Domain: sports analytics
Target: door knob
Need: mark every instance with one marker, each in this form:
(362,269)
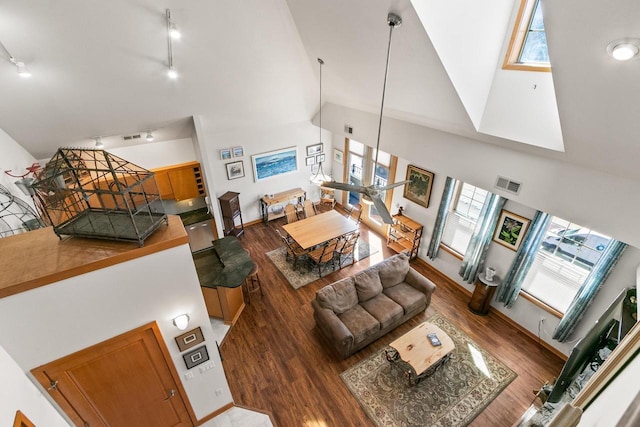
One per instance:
(172,393)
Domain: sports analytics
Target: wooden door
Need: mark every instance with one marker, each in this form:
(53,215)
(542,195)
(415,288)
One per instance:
(125,381)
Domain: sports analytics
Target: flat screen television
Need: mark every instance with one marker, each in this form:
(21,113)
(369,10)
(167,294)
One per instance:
(584,350)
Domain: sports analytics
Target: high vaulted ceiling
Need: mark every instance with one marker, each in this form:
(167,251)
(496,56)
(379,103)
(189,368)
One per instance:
(99,69)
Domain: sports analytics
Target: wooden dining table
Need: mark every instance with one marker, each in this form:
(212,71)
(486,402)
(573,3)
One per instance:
(320,228)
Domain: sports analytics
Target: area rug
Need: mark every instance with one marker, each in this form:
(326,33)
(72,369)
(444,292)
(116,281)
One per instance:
(453,396)
(305,271)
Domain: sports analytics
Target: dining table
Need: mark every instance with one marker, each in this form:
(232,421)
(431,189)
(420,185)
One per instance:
(320,228)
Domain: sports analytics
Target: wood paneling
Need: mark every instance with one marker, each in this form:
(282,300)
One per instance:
(275,358)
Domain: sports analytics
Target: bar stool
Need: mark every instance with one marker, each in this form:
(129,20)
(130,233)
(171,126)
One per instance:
(252,283)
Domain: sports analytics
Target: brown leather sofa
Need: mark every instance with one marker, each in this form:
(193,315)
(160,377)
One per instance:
(357,310)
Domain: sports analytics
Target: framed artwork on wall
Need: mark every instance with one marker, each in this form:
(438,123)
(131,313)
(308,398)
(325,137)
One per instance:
(310,161)
(225,154)
(314,149)
(338,156)
(274,163)
(238,151)
(235,169)
(320,158)
(196,357)
(510,230)
(190,339)
(419,189)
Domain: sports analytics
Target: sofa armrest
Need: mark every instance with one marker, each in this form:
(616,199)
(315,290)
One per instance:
(333,327)
(420,282)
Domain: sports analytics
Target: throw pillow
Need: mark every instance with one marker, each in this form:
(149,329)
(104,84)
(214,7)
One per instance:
(339,296)
(368,284)
(393,270)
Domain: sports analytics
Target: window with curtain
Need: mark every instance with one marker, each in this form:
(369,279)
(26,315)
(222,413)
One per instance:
(563,261)
(463,216)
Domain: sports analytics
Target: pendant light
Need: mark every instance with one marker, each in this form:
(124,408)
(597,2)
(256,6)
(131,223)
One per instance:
(320,176)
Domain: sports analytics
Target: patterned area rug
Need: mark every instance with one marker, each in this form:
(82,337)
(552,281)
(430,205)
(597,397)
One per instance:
(305,271)
(453,396)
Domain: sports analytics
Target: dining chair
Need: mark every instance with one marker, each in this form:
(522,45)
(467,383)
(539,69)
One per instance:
(355,213)
(346,248)
(324,255)
(294,250)
(309,209)
(291,214)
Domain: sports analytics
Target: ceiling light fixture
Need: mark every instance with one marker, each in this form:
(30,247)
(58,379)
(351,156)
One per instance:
(149,136)
(172,73)
(21,69)
(181,322)
(624,49)
(320,176)
(99,143)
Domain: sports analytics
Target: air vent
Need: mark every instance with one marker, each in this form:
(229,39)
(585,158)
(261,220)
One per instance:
(130,137)
(508,185)
(348,129)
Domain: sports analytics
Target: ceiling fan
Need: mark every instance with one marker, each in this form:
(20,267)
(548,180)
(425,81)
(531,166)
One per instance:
(372,193)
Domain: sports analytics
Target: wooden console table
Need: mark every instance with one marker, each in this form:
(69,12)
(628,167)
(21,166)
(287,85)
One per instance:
(269,205)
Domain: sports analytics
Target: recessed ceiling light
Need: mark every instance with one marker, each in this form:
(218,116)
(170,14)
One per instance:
(149,136)
(624,49)
(172,73)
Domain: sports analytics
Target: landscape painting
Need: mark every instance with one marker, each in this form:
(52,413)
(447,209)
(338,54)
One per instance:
(274,163)
(419,189)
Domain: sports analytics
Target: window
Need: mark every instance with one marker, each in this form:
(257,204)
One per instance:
(528,45)
(566,255)
(462,218)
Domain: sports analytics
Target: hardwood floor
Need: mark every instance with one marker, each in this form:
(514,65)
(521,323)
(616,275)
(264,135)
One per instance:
(276,360)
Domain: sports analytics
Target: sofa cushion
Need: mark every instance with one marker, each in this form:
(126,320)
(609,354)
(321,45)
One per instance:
(360,323)
(393,270)
(367,284)
(384,309)
(407,296)
(339,296)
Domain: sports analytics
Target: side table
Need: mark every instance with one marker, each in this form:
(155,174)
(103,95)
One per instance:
(482,294)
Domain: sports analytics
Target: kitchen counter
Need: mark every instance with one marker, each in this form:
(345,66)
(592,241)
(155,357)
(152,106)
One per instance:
(197,215)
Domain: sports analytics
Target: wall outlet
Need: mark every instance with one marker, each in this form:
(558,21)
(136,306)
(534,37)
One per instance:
(218,392)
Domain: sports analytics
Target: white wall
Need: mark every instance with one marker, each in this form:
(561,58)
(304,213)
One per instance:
(15,159)
(158,154)
(19,393)
(52,321)
(257,140)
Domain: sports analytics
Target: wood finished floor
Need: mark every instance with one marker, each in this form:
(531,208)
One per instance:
(276,360)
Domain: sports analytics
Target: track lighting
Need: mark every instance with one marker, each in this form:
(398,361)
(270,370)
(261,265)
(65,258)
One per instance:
(99,143)
(149,136)
(21,69)
(172,33)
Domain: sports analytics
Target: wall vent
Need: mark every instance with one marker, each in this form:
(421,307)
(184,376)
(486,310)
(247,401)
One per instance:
(348,129)
(130,137)
(508,185)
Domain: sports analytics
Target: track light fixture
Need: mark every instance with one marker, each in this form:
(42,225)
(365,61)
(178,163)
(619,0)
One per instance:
(149,136)
(172,33)
(21,69)
(99,143)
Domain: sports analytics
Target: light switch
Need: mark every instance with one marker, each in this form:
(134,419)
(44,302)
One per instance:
(188,375)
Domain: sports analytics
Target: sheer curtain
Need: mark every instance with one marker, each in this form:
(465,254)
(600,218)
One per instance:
(589,289)
(441,219)
(510,288)
(482,234)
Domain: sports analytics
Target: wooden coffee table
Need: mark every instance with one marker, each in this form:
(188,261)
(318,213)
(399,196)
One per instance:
(414,353)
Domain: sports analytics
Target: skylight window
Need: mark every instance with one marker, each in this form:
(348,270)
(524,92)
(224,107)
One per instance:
(528,44)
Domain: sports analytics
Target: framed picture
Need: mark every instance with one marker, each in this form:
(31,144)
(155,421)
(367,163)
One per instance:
(320,158)
(238,151)
(310,161)
(225,154)
(274,163)
(338,156)
(235,169)
(312,150)
(314,168)
(419,189)
(189,339)
(196,357)
(510,230)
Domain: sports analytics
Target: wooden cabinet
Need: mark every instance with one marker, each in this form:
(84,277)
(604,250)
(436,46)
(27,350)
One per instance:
(180,182)
(482,294)
(231,214)
(404,235)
